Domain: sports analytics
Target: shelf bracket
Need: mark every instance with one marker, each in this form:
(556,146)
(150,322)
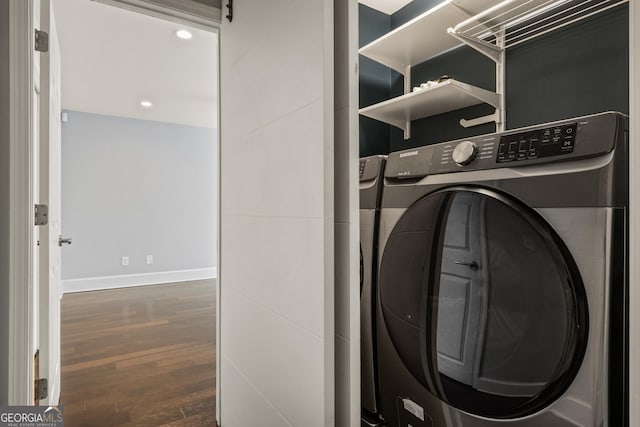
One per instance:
(407,79)
(407,89)
(487,49)
(495,117)
(403,125)
(500,79)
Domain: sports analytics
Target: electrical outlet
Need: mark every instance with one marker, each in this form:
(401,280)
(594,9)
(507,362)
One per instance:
(125,261)
(149,259)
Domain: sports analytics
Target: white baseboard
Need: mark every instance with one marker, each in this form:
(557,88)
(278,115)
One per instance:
(131,280)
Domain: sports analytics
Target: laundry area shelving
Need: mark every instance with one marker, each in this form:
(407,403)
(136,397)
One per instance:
(488,26)
(423,37)
(448,95)
(451,275)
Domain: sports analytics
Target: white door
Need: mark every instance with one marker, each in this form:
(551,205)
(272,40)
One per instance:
(462,293)
(276,269)
(35,188)
(50,194)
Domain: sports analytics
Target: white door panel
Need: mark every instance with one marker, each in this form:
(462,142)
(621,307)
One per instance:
(461,294)
(277,180)
(38,231)
(50,194)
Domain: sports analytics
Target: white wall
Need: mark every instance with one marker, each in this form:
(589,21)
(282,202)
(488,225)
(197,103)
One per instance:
(347,304)
(134,188)
(4,200)
(277,215)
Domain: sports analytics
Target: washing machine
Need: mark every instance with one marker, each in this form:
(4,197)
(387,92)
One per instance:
(503,279)
(371,170)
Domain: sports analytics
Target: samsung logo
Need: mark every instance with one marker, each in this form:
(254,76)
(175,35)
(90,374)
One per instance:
(409,154)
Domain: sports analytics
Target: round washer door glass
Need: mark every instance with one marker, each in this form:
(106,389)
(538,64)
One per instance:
(502,325)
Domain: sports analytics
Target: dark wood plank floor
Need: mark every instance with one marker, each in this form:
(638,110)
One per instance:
(139,356)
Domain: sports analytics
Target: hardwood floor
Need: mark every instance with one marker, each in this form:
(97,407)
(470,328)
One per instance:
(140,356)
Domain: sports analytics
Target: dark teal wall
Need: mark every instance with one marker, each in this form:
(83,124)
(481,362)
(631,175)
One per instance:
(576,70)
(374,82)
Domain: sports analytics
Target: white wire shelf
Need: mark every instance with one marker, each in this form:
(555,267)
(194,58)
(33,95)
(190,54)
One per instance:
(512,22)
(447,96)
(423,37)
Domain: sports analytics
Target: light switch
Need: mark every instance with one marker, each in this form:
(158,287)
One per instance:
(149,259)
(125,261)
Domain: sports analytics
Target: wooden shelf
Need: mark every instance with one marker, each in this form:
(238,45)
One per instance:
(425,36)
(447,96)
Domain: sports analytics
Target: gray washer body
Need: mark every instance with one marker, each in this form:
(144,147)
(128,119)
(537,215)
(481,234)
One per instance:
(371,170)
(582,194)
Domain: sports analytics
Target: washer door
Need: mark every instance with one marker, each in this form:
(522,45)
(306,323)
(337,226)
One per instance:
(483,302)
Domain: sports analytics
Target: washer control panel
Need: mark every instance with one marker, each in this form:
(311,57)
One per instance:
(551,141)
(371,181)
(561,141)
(454,156)
(370,167)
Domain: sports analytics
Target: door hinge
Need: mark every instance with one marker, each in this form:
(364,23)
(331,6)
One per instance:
(42,214)
(42,41)
(42,388)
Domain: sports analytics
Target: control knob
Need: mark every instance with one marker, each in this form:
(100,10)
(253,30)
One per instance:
(464,153)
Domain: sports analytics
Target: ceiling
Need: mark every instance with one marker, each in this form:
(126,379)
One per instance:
(387,6)
(113,59)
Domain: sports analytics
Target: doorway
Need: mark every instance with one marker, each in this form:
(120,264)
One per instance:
(139,207)
(279,117)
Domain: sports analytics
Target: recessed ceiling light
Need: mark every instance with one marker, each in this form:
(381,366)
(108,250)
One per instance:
(184,34)
(146,104)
